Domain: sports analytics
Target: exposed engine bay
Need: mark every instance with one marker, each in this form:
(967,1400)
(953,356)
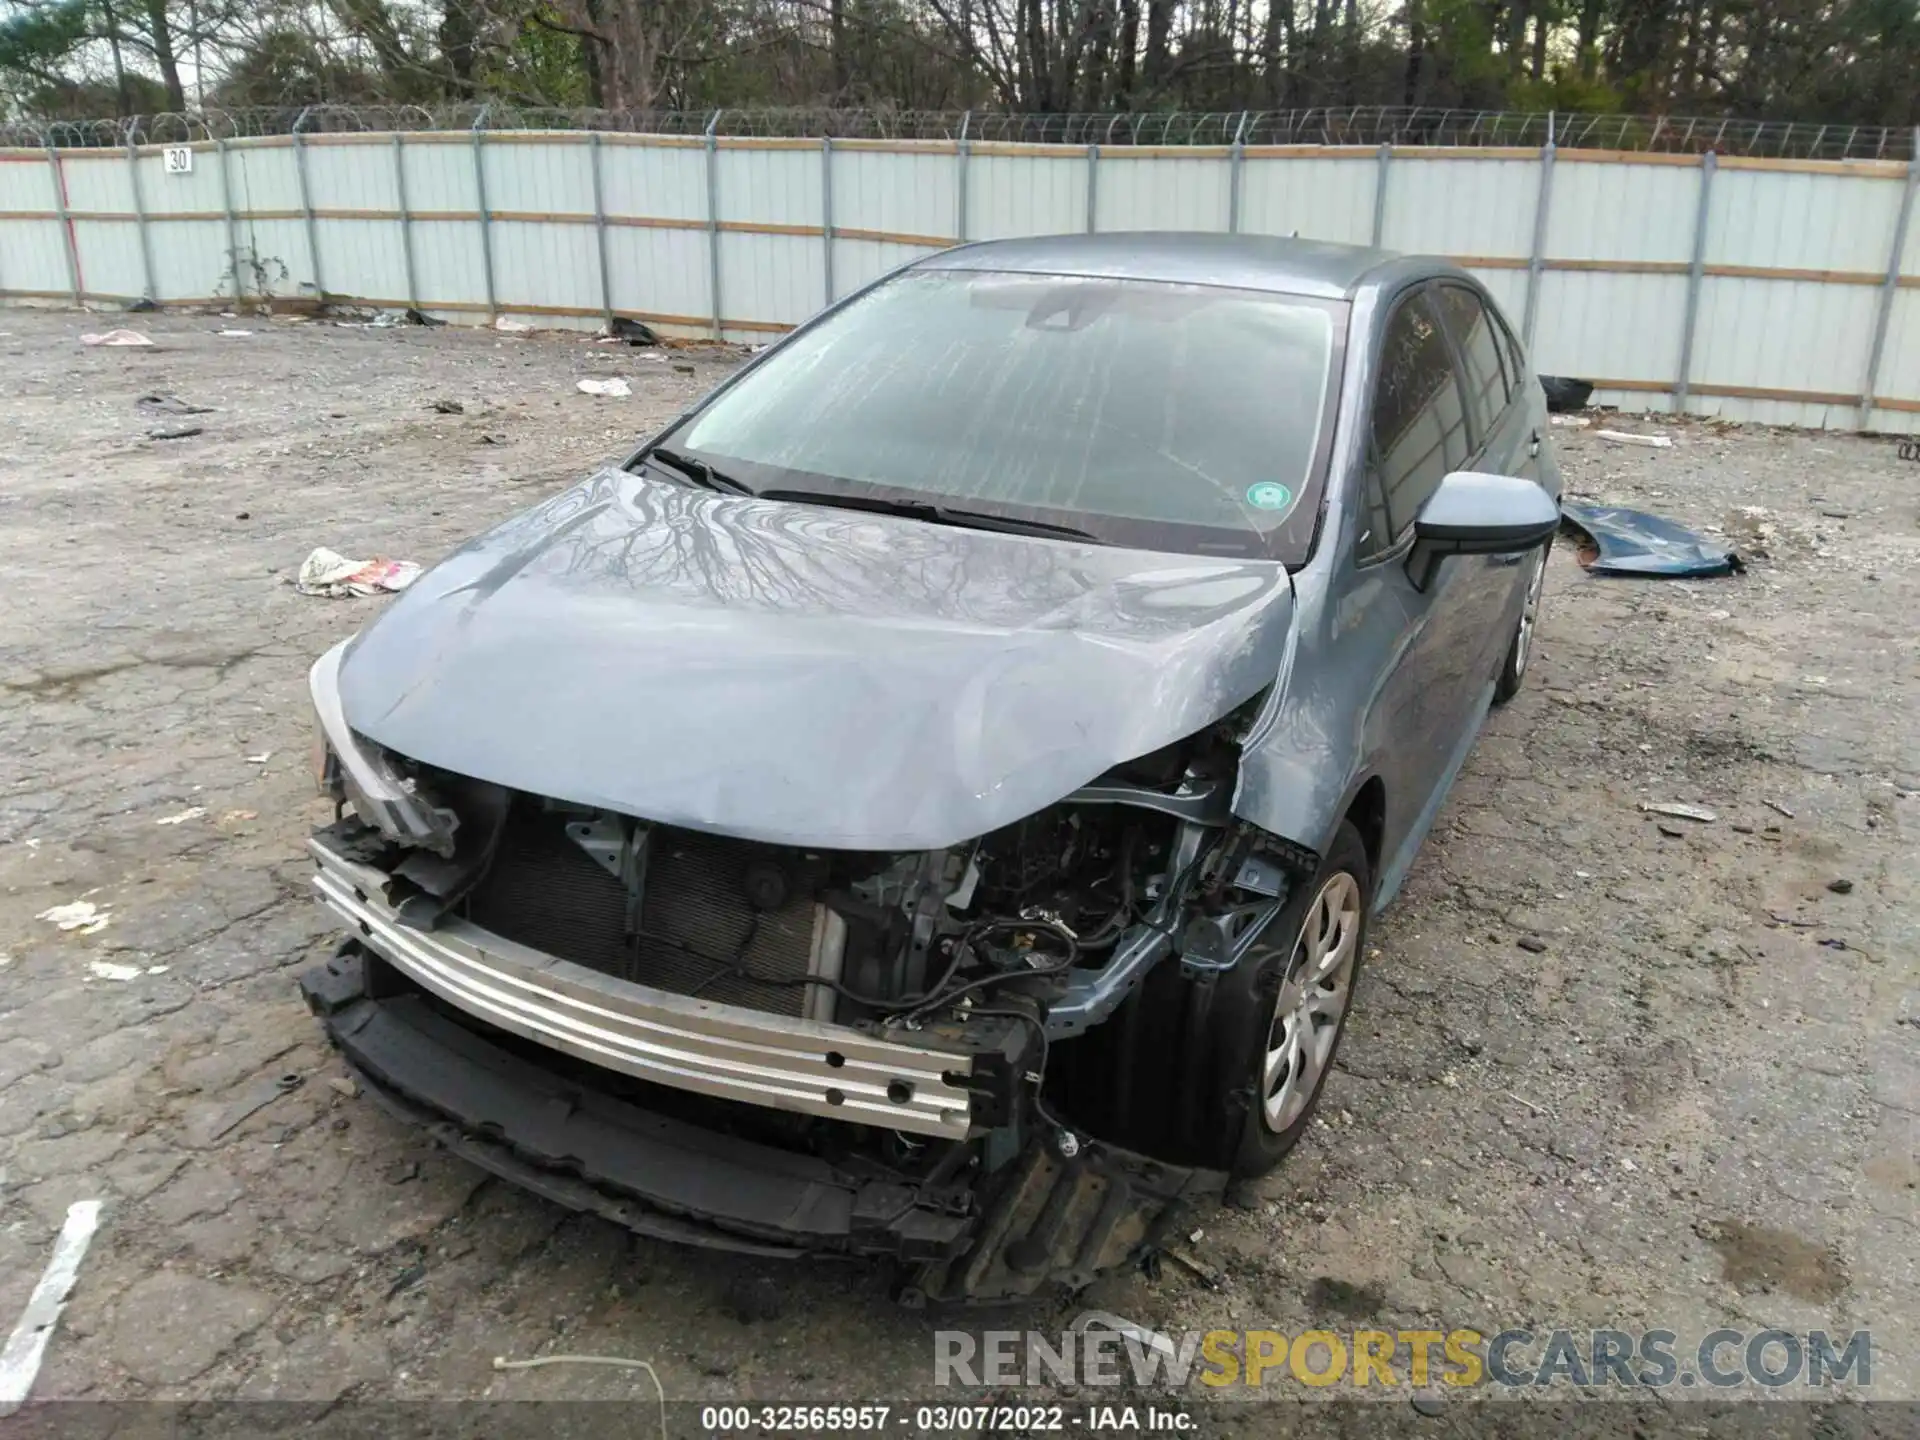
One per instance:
(990,957)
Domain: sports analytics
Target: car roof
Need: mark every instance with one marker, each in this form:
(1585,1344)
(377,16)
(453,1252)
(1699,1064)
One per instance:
(1247,262)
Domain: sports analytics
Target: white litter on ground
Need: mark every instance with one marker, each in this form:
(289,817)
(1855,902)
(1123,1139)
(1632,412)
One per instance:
(1624,437)
(27,1345)
(192,812)
(613,387)
(327,573)
(511,326)
(235,334)
(109,970)
(1569,422)
(81,915)
(261,758)
(116,337)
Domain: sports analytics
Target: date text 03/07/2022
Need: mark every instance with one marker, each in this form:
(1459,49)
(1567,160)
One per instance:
(942,1419)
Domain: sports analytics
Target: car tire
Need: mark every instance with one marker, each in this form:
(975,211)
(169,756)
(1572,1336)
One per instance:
(1513,670)
(1189,1066)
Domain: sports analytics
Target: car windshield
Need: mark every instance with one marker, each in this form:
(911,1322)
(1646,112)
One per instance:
(1173,417)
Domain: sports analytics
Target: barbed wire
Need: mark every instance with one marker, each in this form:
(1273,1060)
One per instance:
(1362,125)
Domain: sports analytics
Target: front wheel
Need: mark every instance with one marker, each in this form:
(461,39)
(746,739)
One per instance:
(1514,669)
(1225,1071)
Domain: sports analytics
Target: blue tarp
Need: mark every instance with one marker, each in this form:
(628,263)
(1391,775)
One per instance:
(1632,542)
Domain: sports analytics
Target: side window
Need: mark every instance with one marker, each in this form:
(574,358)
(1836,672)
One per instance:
(1479,344)
(1419,427)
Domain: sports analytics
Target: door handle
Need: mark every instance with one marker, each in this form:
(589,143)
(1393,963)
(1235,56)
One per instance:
(1533,447)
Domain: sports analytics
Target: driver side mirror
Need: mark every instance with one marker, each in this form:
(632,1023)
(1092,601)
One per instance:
(1475,514)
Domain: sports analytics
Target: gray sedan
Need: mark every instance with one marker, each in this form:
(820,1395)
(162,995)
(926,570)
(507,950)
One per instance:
(928,802)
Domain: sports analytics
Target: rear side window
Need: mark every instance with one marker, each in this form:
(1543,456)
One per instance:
(1419,426)
(1473,331)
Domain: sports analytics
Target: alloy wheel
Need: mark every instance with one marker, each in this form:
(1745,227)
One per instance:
(1312,1002)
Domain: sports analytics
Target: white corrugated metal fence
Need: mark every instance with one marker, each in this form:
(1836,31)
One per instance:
(1773,290)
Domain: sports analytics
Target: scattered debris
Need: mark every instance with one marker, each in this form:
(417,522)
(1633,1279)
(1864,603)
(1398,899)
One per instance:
(449,407)
(1834,944)
(1778,808)
(261,758)
(1628,437)
(344,1086)
(631,332)
(1740,829)
(1788,920)
(511,326)
(1565,394)
(1632,542)
(235,334)
(167,404)
(1678,811)
(1431,1405)
(116,338)
(407,1278)
(27,1345)
(175,432)
(1204,1273)
(235,817)
(332,575)
(500,1362)
(1532,944)
(418,317)
(683,369)
(1841,886)
(81,915)
(192,812)
(1526,1102)
(143,306)
(110,970)
(260,1094)
(1104,1320)
(1569,422)
(5,959)
(608,388)
(1672,832)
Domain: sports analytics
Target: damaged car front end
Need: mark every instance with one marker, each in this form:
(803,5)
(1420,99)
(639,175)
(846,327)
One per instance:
(862,1028)
(766,856)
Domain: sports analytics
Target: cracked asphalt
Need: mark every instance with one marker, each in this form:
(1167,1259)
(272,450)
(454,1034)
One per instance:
(1689,1101)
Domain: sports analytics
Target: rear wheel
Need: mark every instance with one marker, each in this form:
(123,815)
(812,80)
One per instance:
(1227,1071)
(1514,670)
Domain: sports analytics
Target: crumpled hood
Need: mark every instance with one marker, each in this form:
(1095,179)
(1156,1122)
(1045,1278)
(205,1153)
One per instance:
(799,675)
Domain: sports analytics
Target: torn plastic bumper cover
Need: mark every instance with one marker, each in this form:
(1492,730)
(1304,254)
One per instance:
(1041,1217)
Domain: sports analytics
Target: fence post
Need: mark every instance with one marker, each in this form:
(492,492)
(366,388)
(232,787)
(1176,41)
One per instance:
(59,178)
(1696,269)
(962,151)
(1536,261)
(140,218)
(1093,188)
(486,212)
(1891,287)
(233,233)
(826,214)
(306,206)
(1236,156)
(600,228)
(713,218)
(406,221)
(1380,195)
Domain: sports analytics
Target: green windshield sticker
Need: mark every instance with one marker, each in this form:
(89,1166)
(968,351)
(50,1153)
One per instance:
(1269,495)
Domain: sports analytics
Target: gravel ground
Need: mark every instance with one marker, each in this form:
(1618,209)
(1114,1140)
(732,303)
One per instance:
(1689,1100)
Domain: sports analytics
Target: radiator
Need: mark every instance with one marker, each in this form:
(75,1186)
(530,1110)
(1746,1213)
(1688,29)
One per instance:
(697,930)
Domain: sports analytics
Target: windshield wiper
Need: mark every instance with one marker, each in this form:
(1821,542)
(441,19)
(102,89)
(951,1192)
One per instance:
(699,471)
(935,514)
